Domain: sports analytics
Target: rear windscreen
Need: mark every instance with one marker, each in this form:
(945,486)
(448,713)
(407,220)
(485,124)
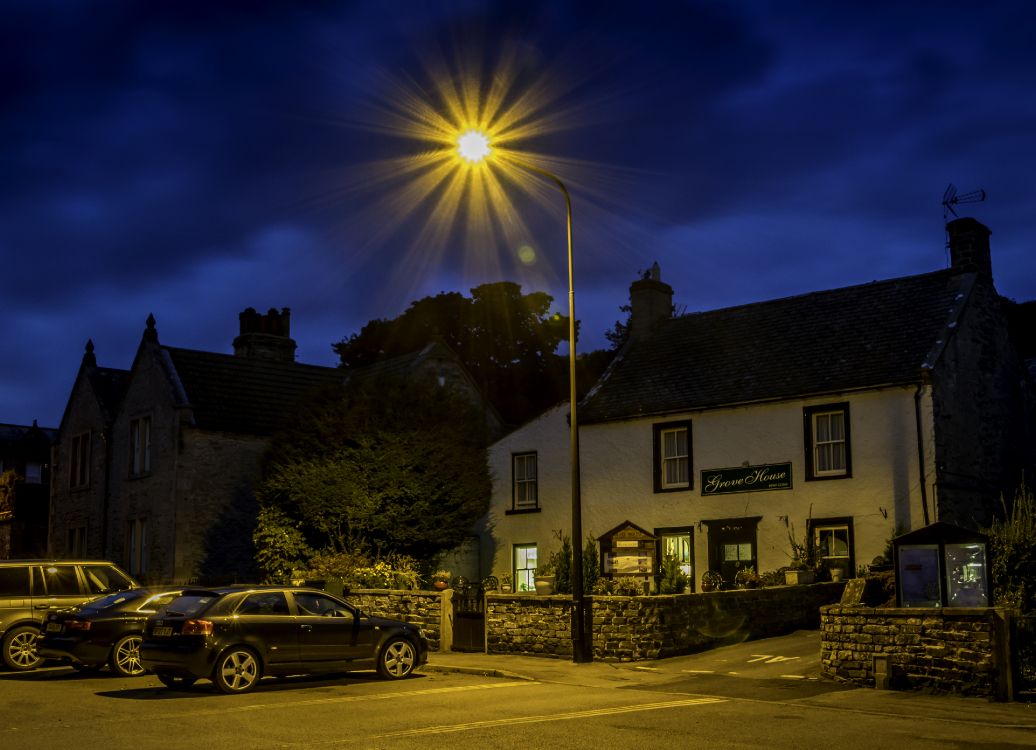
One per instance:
(188,606)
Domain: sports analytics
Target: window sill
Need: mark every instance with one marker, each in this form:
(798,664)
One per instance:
(521,511)
(826,477)
(661,490)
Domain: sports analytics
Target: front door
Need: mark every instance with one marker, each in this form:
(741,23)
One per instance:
(732,546)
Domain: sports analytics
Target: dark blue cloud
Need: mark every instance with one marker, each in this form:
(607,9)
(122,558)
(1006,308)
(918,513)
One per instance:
(192,159)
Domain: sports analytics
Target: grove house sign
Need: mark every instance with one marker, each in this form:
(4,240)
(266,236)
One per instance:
(746,479)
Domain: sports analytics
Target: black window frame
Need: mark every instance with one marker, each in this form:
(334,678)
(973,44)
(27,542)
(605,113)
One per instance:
(514,509)
(656,455)
(809,440)
(847,521)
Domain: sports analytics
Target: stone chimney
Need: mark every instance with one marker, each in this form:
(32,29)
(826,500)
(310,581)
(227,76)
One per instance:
(265,336)
(651,301)
(969,247)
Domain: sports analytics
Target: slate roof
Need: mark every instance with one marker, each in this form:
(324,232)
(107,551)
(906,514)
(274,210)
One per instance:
(876,334)
(242,394)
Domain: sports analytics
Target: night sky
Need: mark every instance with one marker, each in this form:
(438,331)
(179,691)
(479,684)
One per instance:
(192,159)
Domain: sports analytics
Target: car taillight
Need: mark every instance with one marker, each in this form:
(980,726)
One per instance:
(196,627)
(77,624)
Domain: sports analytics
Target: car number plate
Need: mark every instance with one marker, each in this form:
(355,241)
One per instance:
(53,627)
(162,631)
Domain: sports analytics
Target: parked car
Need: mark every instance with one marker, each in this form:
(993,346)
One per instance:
(29,589)
(103,631)
(235,636)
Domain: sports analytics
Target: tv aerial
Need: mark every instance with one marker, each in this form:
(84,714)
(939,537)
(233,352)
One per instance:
(951,198)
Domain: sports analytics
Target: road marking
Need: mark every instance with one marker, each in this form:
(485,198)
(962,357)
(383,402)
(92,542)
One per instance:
(770,658)
(512,720)
(699,671)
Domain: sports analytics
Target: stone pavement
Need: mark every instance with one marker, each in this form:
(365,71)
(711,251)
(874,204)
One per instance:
(657,674)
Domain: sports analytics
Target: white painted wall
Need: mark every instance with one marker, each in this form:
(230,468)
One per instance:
(617,484)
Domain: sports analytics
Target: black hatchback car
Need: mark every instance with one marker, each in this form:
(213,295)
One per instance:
(235,636)
(103,631)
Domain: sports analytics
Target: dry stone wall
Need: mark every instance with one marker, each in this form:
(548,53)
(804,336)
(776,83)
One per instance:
(422,608)
(652,627)
(943,650)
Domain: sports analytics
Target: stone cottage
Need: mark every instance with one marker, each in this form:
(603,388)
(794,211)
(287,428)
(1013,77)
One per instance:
(154,465)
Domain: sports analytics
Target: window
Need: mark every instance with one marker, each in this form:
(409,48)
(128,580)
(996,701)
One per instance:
(136,546)
(79,469)
(61,580)
(677,543)
(264,604)
(524,494)
(33,472)
(140,446)
(833,541)
(672,451)
(828,454)
(524,567)
(77,542)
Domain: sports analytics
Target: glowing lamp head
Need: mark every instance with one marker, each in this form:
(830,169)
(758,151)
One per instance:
(473,146)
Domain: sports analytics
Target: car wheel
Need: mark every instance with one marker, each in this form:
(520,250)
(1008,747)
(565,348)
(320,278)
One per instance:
(125,658)
(20,648)
(236,671)
(176,683)
(397,660)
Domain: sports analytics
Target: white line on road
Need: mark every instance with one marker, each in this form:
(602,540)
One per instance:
(512,720)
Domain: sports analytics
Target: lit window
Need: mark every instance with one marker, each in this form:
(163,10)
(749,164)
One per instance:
(140,446)
(672,450)
(828,453)
(525,567)
(678,546)
(525,495)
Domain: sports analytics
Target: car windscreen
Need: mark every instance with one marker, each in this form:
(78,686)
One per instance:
(102,579)
(188,605)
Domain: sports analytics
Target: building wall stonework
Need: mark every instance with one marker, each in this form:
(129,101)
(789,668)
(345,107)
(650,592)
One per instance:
(652,627)
(944,650)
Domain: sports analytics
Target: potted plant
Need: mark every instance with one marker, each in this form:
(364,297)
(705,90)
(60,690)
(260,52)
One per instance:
(803,558)
(441,579)
(505,583)
(746,578)
(545,578)
(711,580)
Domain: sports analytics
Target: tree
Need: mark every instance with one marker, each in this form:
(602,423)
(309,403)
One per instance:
(507,340)
(386,466)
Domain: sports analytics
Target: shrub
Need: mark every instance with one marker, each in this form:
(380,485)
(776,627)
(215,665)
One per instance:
(672,579)
(1012,546)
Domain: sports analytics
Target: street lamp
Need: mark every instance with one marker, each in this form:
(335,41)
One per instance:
(474,147)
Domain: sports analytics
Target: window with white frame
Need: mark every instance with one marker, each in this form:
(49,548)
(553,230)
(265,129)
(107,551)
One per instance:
(833,540)
(525,561)
(525,492)
(79,461)
(672,451)
(677,544)
(140,446)
(136,546)
(828,454)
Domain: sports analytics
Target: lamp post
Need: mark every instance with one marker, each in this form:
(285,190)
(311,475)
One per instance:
(473,146)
